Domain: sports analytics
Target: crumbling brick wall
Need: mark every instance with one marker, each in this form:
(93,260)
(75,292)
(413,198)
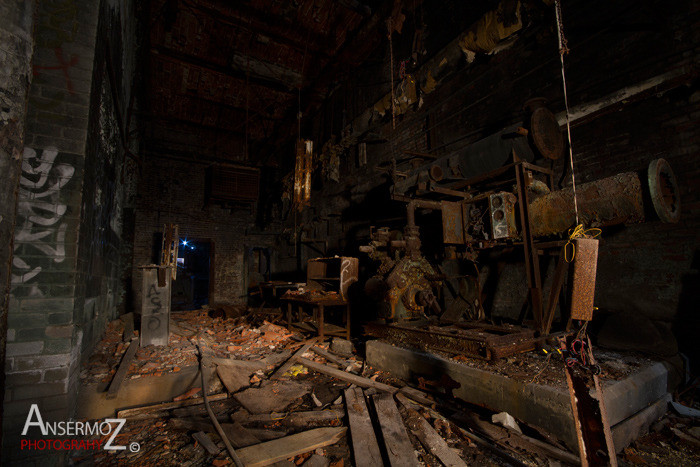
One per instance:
(60,226)
(16,46)
(173,191)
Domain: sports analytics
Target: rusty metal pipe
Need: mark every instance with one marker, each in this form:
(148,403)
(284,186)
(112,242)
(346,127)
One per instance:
(625,198)
(419,203)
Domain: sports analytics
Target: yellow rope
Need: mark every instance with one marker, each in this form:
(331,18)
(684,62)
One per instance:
(578,232)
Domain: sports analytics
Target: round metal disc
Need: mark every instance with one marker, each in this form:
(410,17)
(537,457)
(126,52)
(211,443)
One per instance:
(546,133)
(664,191)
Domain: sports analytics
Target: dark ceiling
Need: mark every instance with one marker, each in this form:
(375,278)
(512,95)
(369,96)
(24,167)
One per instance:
(226,77)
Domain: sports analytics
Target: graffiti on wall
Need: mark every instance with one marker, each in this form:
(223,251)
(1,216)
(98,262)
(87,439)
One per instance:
(40,214)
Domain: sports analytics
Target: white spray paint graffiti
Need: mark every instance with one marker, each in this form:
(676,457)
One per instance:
(39,210)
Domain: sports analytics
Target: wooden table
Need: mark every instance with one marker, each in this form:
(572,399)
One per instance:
(318,307)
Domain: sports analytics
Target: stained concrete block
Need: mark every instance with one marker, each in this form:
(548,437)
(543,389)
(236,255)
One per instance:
(628,430)
(535,404)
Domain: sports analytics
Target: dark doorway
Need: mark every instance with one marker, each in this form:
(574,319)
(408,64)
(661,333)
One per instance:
(190,290)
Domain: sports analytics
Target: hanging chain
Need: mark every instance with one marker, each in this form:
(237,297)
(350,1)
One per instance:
(563,50)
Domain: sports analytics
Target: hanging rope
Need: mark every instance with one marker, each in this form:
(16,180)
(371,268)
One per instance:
(563,50)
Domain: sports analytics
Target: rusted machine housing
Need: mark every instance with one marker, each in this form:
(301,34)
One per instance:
(492,195)
(405,279)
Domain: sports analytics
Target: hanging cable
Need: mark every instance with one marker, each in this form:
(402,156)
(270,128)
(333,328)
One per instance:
(563,50)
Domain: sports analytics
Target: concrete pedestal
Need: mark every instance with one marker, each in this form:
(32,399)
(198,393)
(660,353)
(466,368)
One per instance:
(633,402)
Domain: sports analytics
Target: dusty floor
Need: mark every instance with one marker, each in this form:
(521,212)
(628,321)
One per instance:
(166,437)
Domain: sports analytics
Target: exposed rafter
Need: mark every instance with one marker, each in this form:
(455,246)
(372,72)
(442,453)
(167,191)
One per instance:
(258,70)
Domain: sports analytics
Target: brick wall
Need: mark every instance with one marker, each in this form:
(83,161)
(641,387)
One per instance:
(69,205)
(108,171)
(174,192)
(16,45)
(42,341)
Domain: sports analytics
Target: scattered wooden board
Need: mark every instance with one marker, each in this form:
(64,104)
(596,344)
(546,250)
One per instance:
(292,360)
(512,439)
(270,452)
(399,448)
(265,435)
(330,357)
(365,447)
(206,442)
(123,369)
(297,418)
(432,441)
(272,395)
(345,376)
(478,440)
(238,436)
(418,396)
(168,405)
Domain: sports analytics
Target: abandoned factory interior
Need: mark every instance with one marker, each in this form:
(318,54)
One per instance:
(332,233)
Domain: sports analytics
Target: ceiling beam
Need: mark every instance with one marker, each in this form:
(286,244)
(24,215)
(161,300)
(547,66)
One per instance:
(256,22)
(155,118)
(261,73)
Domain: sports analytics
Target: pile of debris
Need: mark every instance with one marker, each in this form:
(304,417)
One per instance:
(282,398)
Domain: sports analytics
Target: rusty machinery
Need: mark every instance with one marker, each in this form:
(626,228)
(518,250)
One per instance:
(497,193)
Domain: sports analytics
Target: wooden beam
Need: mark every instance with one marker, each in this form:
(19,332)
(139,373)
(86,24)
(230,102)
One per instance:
(257,22)
(260,73)
(349,377)
(398,446)
(330,357)
(365,447)
(205,441)
(123,369)
(297,418)
(432,441)
(168,405)
(280,449)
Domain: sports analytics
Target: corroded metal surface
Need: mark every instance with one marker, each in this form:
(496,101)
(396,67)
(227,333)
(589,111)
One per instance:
(663,189)
(484,342)
(590,416)
(609,201)
(583,275)
(546,134)
(452,223)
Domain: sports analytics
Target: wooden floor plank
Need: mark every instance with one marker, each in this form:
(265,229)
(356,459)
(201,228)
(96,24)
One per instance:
(365,447)
(345,376)
(432,441)
(270,452)
(399,448)
(205,441)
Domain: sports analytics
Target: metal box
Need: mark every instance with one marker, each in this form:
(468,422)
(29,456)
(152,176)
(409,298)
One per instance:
(502,209)
(583,274)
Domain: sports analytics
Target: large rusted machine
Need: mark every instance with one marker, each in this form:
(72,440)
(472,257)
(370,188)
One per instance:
(499,193)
